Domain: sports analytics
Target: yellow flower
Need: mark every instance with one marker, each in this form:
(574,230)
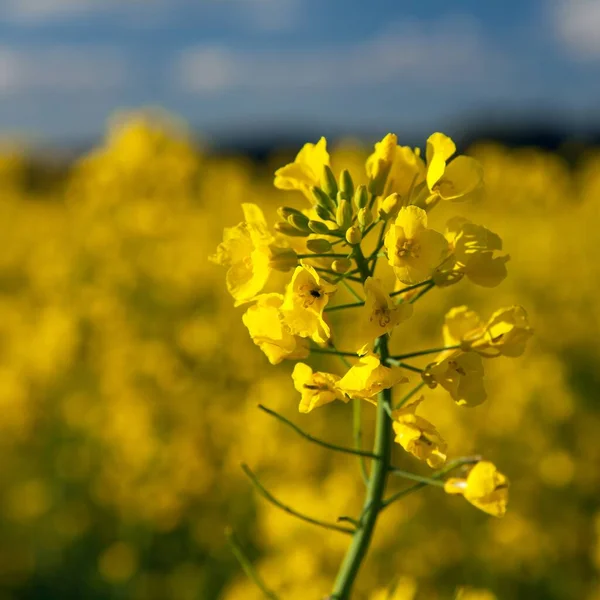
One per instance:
(505,334)
(369,377)
(316,388)
(474,247)
(461,179)
(379,315)
(485,488)
(267,330)
(418,436)
(413,250)
(379,163)
(306,296)
(246,253)
(305,172)
(461,375)
(407,171)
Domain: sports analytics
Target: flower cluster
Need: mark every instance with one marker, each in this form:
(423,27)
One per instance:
(325,246)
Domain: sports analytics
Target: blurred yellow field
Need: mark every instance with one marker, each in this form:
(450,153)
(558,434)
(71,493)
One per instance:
(129,390)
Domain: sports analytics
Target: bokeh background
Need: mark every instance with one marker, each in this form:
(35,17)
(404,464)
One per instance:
(128,384)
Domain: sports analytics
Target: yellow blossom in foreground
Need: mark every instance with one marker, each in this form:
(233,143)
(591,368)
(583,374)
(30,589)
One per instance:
(306,296)
(461,179)
(316,388)
(461,375)
(474,249)
(305,172)
(485,487)
(379,315)
(505,334)
(369,377)
(418,436)
(267,330)
(245,252)
(413,250)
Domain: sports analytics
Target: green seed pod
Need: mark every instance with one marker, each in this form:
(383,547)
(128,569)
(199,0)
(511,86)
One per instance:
(288,229)
(318,227)
(364,217)
(286,211)
(353,236)
(361,197)
(328,182)
(346,184)
(319,246)
(341,265)
(323,200)
(283,259)
(299,221)
(343,215)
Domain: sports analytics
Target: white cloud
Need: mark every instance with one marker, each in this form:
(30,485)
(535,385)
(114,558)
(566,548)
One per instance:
(60,69)
(451,51)
(576,24)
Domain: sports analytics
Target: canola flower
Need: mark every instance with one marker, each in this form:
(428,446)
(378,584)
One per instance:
(335,243)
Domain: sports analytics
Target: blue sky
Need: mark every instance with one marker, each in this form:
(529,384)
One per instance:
(235,68)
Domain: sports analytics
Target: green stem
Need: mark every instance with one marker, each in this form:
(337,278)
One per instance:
(336,352)
(310,438)
(322,255)
(357,435)
(411,287)
(414,477)
(247,566)
(342,306)
(424,352)
(398,363)
(422,292)
(361,262)
(375,491)
(409,395)
(268,496)
(375,254)
(330,272)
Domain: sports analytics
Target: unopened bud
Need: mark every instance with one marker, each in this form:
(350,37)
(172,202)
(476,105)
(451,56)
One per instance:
(346,184)
(341,265)
(343,215)
(318,245)
(318,227)
(364,217)
(288,229)
(283,259)
(328,182)
(353,236)
(390,206)
(323,201)
(299,221)
(286,211)
(361,197)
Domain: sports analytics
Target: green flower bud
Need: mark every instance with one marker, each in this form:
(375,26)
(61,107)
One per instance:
(323,200)
(364,217)
(288,229)
(299,221)
(323,213)
(390,206)
(328,182)
(346,184)
(343,215)
(341,265)
(283,259)
(361,197)
(319,246)
(286,211)
(353,236)
(318,227)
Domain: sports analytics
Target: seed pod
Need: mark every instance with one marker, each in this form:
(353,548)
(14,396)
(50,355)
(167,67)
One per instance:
(299,221)
(361,197)
(341,265)
(343,215)
(328,182)
(283,259)
(319,246)
(346,184)
(353,236)
(288,229)
(323,200)
(364,217)
(318,227)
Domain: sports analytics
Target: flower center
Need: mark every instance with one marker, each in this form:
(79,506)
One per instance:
(382,315)
(310,294)
(409,248)
(456,367)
